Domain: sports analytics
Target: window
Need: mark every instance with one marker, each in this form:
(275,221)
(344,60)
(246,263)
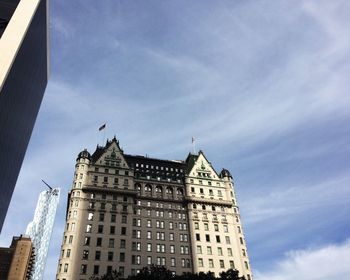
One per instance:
(113,218)
(171,236)
(207,237)
(101,217)
(199,249)
(219,193)
(90,216)
(103,206)
(88,228)
(232,264)
(228,241)
(196,225)
(243,252)
(149,260)
(96,269)
(111,243)
(172,249)
(222,264)
(122,257)
(122,243)
(172,262)
(206,227)
(211,263)
(209,251)
(225,228)
(100,229)
(149,223)
(70,241)
(218,238)
(246,265)
(219,251)
(198,237)
(68,253)
(171,225)
(83,269)
(99,241)
(149,247)
(123,231)
(97,255)
(85,254)
(239,229)
(192,189)
(110,256)
(216,227)
(241,240)
(149,235)
(65,269)
(105,179)
(229,252)
(124,219)
(200,262)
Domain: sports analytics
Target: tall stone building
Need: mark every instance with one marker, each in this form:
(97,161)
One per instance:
(125,212)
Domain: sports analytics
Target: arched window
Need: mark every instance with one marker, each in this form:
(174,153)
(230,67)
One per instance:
(148,188)
(180,192)
(159,189)
(169,191)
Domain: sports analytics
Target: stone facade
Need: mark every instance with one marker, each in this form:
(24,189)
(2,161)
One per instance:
(125,212)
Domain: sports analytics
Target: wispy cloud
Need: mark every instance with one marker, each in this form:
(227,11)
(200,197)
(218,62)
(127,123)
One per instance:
(327,262)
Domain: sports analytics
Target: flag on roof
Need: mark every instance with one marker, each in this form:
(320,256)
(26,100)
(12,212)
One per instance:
(102,127)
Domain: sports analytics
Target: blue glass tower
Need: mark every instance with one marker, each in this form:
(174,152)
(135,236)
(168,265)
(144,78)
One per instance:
(40,229)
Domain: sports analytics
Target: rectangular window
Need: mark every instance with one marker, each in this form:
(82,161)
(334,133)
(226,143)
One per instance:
(232,265)
(229,252)
(97,255)
(122,257)
(218,238)
(207,237)
(110,256)
(123,231)
(113,218)
(112,230)
(196,225)
(209,251)
(101,217)
(99,241)
(149,260)
(96,269)
(111,243)
(198,237)
(199,249)
(222,264)
(200,262)
(83,269)
(211,263)
(228,241)
(122,243)
(85,254)
(87,241)
(219,251)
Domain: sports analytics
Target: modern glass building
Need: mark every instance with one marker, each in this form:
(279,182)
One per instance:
(24,60)
(40,229)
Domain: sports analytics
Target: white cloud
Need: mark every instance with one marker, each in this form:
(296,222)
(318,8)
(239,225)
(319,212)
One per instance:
(327,262)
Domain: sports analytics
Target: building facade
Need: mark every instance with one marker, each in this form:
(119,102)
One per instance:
(125,212)
(40,229)
(16,262)
(23,78)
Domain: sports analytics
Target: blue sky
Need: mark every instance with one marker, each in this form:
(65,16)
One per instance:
(262,85)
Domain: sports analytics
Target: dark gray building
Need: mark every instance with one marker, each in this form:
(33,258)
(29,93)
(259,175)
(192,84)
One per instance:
(23,78)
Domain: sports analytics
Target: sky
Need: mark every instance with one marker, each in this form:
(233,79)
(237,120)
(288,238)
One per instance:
(263,86)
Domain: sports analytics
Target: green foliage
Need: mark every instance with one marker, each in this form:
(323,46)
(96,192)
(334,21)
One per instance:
(154,272)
